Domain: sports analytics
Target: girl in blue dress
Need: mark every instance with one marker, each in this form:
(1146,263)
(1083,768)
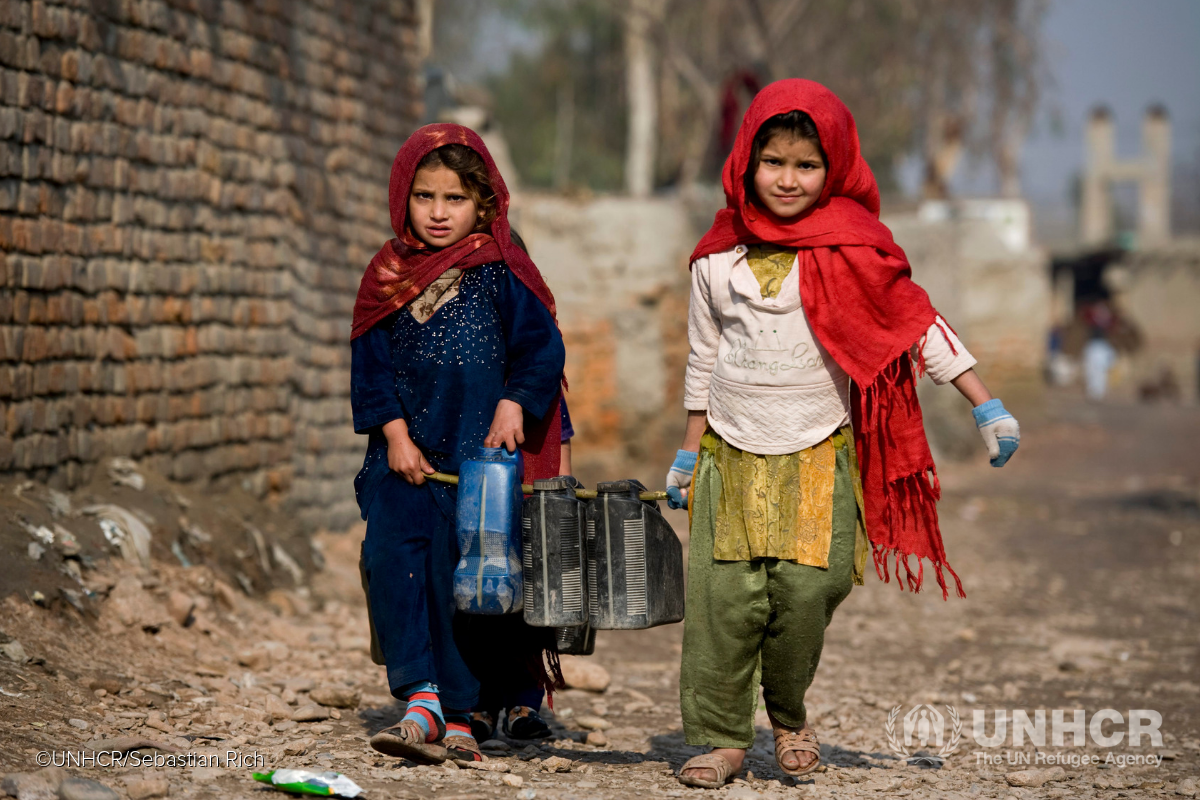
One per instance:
(454,346)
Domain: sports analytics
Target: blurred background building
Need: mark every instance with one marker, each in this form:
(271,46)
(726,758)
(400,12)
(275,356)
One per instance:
(189,193)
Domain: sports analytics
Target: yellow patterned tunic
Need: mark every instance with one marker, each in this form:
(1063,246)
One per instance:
(779,506)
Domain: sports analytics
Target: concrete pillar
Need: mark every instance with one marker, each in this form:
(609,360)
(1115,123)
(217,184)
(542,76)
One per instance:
(1096,211)
(1151,172)
(1154,202)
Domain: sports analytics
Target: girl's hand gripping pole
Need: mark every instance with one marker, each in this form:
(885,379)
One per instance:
(679,478)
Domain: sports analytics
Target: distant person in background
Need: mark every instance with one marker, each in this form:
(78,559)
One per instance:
(804,326)
(1099,356)
(454,346)
(1109,334)
(1060,367)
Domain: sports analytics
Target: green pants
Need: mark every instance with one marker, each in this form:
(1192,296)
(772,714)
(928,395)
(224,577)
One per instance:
(756,620)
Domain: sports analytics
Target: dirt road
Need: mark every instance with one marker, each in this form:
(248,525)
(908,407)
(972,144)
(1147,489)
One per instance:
(1081,562)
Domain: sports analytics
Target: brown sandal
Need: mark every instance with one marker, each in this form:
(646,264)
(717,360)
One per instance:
(803,742)
(718,764)
(462,749)
(405,739)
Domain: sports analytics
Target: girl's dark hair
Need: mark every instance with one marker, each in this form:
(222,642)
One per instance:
(796,126)
(518,241)
(473,173)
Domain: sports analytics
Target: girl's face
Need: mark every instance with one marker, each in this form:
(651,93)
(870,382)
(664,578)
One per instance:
(440,211)
(790,175)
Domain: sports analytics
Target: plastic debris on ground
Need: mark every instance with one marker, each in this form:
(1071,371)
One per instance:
(303,781)
(124,472)
(40,532)
(124,531)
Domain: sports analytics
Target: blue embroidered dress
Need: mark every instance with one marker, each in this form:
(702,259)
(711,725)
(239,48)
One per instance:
(444,377)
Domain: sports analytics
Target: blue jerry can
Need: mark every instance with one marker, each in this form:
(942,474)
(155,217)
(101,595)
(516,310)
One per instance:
(488,578)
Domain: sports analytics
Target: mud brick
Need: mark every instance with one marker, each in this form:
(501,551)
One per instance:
(21,385)
(154,444)
(18,418)
(110,378)
(10,158)
(39,314)
(180,407)
(115,309)
(8,381)
(81,444)
(34,309)
(10,190)
(50,378)
(21,302)
(72,383)
(19,313)
(64,309)
(39,450)
(116,344)
(64,97)
(35,344)
(122,410)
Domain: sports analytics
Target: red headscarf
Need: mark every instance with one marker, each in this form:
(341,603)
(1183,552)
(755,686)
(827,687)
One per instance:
(405,266)
(864,308)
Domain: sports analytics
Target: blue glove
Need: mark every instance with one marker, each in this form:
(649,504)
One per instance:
(679,477)
(999,430)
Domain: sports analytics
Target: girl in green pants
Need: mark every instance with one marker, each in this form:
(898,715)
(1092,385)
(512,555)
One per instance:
(807,335)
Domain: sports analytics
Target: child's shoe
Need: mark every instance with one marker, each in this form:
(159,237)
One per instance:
(483,725)
(459,742)
(523,722)
(416,736)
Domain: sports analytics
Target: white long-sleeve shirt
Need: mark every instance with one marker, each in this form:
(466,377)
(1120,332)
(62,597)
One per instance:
(768,385)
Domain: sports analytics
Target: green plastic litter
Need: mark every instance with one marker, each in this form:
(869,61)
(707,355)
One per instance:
(302,781)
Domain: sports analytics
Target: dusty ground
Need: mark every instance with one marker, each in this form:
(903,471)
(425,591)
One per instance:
(1081,562)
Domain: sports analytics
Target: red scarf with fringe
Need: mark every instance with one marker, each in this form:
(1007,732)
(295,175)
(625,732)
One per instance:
(405,266)
(864,308)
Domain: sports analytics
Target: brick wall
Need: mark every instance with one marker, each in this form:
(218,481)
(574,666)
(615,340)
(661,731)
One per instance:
(189,190)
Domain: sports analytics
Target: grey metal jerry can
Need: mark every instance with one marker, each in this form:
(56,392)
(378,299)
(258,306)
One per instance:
(552,556)
(577,641)
(635,561)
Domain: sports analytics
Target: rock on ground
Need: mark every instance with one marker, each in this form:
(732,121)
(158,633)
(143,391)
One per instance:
(1035,777)
(84,789)
(586,675)
(336,696)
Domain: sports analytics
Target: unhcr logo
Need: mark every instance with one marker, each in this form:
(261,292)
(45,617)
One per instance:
(922,729)
(926,735)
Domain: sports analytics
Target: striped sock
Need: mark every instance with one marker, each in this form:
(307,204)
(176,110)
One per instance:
(458,723)
(425,710)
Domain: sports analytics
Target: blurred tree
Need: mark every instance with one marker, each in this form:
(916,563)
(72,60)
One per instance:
(1018,72)
(641,18)
(562,106)
(635,93)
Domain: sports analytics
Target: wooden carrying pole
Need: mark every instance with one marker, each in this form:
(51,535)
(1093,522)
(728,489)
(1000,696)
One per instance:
(582,494)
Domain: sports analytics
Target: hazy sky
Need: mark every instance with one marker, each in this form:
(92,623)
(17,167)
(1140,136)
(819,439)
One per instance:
(1126,54)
